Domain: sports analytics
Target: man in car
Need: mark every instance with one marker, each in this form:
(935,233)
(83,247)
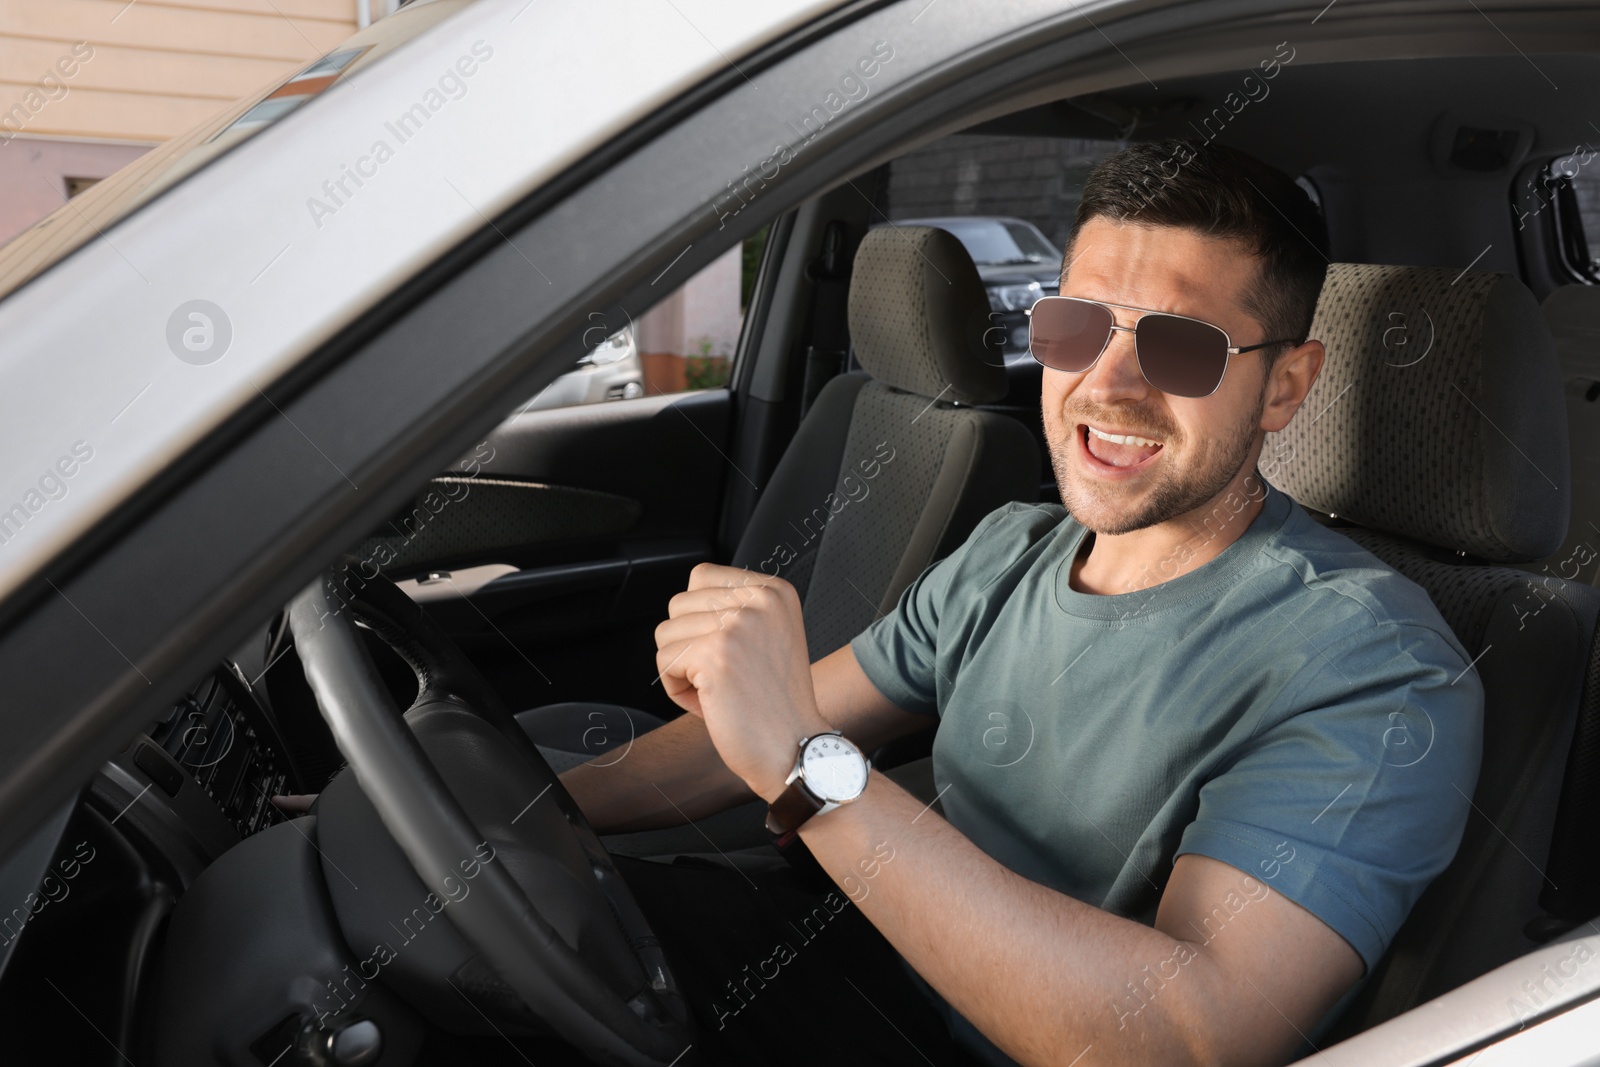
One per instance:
(1196,754)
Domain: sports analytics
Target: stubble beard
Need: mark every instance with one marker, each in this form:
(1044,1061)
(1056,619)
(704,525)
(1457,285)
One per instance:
(1173,492)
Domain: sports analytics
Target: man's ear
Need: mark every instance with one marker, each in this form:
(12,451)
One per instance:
(1288,382)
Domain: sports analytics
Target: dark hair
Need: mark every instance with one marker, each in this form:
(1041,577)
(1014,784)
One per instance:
(1222,192)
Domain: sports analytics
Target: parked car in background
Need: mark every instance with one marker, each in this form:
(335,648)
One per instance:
(1017,263)
(611,371)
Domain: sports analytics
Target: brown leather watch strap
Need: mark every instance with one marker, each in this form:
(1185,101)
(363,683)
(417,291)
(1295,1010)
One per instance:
(792,808)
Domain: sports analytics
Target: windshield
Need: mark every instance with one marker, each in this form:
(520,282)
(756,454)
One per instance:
(99,207)
(993,242)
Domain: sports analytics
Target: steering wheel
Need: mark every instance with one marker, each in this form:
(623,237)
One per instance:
(541,925)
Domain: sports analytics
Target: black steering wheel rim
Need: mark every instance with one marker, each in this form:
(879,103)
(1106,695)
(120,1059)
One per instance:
(434,831)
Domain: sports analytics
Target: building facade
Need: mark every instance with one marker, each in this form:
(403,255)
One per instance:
(87,86)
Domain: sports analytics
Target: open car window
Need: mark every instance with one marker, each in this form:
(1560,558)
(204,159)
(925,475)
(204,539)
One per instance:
(684,341)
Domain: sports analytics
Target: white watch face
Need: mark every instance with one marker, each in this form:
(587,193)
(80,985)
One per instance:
(834,768)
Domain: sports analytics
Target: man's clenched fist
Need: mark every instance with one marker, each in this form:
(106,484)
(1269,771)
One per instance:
(733,651)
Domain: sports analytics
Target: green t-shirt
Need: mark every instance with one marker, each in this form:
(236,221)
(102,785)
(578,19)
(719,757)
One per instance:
(1294,708)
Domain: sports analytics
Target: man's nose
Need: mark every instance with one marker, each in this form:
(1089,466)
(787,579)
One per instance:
(1116,375)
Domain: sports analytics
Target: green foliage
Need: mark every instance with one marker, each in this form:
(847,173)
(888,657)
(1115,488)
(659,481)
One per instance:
(706,371)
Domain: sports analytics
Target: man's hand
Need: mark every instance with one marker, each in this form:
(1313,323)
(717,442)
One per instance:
(733,651)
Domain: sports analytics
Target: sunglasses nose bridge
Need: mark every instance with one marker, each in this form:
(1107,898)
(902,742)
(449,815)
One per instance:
(1126,337)
(1117,368)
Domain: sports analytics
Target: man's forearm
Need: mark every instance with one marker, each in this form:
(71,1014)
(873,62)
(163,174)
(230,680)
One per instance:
(673,774)
(1044,975)
(666,777)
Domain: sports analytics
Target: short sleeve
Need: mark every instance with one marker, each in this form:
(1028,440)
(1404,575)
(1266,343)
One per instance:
(898,652)
(1356,798)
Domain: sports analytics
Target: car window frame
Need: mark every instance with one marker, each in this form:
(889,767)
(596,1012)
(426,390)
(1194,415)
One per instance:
(229,236)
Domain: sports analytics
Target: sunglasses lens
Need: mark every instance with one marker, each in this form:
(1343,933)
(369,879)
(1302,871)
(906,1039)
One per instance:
(1181,356)
(1068,334)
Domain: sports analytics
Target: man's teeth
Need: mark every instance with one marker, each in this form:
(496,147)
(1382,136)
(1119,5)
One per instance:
(1124,439)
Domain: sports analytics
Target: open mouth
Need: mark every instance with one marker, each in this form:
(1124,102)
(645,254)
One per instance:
(1109,451)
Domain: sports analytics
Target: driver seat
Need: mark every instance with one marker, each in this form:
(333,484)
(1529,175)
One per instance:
(1449,467)
(890,470)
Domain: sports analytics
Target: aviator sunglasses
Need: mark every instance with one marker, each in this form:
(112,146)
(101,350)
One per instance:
(1177,354)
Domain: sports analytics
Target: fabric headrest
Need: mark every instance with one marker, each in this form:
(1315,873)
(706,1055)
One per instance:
(1438,415)
(919,316)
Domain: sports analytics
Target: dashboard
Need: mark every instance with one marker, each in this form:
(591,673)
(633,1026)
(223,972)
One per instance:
(104,877)
(201,777)
(224,739)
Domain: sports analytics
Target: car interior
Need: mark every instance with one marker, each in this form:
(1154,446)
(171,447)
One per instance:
(870,421)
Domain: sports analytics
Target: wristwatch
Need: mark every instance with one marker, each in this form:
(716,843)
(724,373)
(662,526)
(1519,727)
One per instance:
(829,771)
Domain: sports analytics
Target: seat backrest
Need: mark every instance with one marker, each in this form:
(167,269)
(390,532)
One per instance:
(892,468)
(1573,314)
(1447,458)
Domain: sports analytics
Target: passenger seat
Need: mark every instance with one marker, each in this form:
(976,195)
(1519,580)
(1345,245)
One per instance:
(890,470)
(1451,469)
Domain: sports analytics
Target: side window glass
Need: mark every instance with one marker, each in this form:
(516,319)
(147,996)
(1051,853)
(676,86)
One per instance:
(684,342)
(1010,200)
(1572,185)
(1586,191)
